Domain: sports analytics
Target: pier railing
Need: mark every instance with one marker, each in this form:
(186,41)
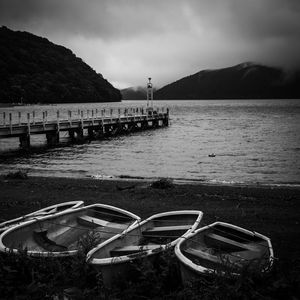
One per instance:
(8,118)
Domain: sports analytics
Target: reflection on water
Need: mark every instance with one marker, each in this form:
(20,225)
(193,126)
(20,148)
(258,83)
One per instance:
(254,141)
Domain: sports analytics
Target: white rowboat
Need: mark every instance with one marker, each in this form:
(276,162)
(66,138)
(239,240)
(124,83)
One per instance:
(64,233)
(151,237)
(224,249)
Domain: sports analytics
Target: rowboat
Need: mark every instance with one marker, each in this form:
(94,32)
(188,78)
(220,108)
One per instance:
(224,249)
(41,212)
(147,239)
(65,233)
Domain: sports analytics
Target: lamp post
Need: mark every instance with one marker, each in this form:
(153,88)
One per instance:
(149,94)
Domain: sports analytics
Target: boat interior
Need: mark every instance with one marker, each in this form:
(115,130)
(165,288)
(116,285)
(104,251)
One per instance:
(64,232)
(152,235)
(225,247)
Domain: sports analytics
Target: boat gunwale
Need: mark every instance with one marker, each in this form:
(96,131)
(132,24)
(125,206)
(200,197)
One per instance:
(14,222)
(203,270)
(127,258)
(5,249)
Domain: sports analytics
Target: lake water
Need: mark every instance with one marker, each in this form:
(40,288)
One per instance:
(254,141)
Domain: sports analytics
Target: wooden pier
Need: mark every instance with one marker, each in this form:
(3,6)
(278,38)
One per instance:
(81,128)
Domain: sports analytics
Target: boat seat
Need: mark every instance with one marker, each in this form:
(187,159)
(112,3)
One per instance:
(225,240)
(41,238)
(199,253)
(165,229)
(220,259)
(118,251)
(95,222)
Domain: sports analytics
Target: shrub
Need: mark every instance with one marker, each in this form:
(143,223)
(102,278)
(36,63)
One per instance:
(163,183)
(20,174)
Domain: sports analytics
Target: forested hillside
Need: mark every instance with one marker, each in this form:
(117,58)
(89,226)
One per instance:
(244,81)
(34,70)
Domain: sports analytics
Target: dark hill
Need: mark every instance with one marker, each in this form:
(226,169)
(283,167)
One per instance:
(135,93)
(244,81)
(34,70)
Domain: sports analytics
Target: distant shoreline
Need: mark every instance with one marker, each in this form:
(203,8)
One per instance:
(212,99)
(7,104)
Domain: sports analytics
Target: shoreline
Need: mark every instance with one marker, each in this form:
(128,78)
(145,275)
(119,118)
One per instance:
(177,181)
(272,211)
(187,181)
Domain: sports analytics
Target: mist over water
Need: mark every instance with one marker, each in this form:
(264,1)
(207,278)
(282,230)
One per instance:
(254,141)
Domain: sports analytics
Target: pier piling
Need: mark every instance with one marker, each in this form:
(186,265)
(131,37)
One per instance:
(52,138)
(24,141)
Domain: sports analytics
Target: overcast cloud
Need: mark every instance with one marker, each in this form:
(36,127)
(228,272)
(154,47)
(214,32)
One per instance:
(130,40)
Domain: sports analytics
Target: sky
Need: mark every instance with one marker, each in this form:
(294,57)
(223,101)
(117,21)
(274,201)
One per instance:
(128,41)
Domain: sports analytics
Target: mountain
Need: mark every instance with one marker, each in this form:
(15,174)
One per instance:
(34,70)
(243,81)
(135,93)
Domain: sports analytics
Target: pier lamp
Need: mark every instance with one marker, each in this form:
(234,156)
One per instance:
(149,95)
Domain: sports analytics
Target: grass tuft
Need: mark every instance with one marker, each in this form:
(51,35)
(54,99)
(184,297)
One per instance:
(25,277)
